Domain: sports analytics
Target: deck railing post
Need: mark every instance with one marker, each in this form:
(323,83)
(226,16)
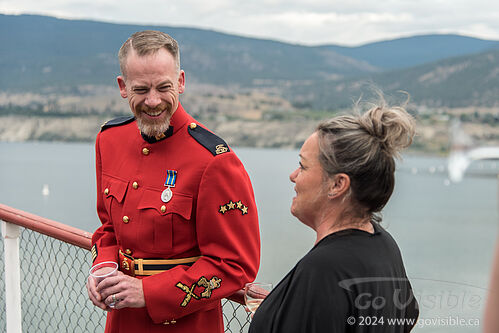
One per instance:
(12,269)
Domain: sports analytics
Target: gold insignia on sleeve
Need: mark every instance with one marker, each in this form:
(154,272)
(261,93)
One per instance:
(231,205)
(223,209)
(214,283)
(189,291)
(208,285)
(94,252)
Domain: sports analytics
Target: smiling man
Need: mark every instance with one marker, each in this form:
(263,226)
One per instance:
(152,81)
(177,207)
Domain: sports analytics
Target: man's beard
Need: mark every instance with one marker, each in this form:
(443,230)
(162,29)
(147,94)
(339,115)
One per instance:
(155,127)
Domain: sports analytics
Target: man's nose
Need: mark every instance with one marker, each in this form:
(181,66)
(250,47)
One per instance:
(152,99)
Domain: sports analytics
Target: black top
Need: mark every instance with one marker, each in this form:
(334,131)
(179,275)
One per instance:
(351,281)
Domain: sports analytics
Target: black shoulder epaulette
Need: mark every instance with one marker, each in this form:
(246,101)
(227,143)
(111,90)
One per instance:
(117,122)
(210,141)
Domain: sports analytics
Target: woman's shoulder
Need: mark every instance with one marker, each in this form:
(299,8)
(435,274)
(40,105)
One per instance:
(329,254)
(352,249)
(358,241)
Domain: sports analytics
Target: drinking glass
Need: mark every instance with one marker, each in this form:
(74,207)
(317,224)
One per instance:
(103,270)
(255,293)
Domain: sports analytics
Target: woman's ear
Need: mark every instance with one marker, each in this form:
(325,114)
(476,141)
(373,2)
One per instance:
(338,185)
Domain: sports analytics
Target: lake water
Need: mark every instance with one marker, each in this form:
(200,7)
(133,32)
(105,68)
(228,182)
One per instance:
(446,231)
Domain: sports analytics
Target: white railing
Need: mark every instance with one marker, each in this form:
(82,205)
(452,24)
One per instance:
(10,234)
(45,269)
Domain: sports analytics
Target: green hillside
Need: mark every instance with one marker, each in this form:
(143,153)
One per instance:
(40,52)
(44,54)
(416,50)
(471,80)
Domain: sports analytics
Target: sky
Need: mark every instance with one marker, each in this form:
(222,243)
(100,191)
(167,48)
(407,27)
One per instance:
(306,22)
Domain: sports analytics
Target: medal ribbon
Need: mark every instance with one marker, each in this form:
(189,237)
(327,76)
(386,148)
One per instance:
(171,178)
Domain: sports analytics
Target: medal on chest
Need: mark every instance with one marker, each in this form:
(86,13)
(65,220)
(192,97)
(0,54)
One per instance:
(171,178)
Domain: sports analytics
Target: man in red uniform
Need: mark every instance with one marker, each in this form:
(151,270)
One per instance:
(177,207)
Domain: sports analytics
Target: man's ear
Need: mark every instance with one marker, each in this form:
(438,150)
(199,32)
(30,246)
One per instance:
(181,82)
(338,185)
(122,85)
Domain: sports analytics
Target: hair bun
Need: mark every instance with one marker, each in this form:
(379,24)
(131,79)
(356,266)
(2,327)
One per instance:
(393,127)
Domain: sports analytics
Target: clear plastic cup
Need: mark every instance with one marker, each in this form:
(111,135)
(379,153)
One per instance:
(103,270)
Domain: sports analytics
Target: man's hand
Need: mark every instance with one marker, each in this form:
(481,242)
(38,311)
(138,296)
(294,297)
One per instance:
(94,295)
(127,292)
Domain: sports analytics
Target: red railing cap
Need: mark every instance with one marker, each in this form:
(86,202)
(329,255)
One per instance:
(47,227)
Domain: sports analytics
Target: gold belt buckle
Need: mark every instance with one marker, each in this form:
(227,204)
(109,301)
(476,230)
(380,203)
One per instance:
(127,263)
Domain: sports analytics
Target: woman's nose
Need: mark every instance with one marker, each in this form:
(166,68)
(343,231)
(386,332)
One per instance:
(293,175)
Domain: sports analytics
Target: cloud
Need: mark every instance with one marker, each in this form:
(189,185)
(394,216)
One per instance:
(317,27)
(298,21)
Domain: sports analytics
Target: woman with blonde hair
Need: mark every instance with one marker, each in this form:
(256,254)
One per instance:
(353,279)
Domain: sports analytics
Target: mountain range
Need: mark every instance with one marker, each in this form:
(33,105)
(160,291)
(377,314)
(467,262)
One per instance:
(45,54)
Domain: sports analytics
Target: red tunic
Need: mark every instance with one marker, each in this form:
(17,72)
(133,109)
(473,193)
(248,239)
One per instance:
(211,214)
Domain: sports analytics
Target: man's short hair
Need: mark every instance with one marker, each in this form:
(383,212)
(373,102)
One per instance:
(148,42)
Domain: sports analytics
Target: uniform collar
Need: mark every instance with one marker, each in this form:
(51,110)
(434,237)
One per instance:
(178,120)
(153,139)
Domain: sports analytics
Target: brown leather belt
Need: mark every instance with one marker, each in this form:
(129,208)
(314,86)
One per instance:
(145,267)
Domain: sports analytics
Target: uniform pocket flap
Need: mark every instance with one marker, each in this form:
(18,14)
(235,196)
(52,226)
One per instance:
(180,204)
(114,187)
